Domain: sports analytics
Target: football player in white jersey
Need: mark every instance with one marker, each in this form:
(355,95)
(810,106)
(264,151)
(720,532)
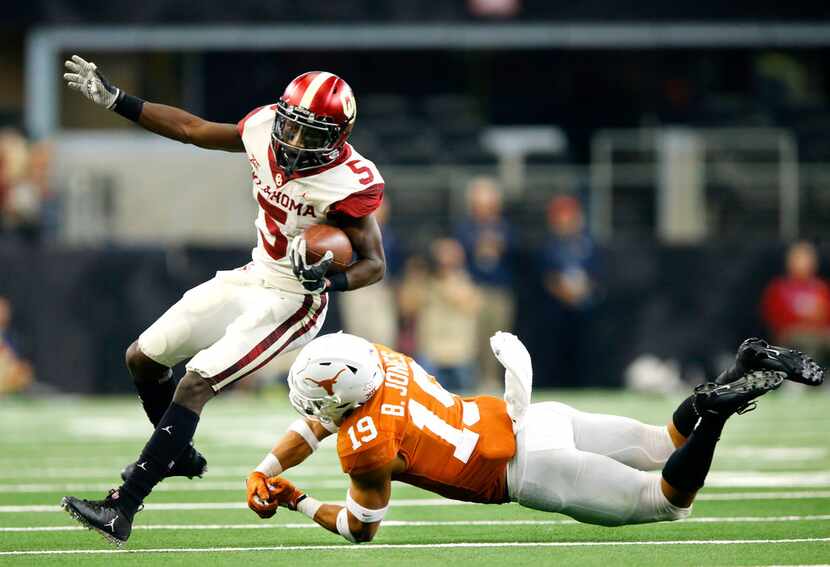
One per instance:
(304,173)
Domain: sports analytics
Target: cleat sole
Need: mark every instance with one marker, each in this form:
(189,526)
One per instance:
(67,506)
(760,380)
(743,392)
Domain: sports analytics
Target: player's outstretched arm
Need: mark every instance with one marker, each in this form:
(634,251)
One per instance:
(294,447)
(366,503)
(167,121)
(370,267)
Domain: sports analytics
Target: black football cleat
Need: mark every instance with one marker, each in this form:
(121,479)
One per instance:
(737,396)
(757,354)
(191,464)
(104,516)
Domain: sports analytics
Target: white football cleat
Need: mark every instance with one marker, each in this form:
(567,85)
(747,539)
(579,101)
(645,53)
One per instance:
(518,374)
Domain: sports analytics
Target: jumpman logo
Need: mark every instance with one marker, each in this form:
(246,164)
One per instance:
(168,430)
(328,383)
(111,525)
(142,466)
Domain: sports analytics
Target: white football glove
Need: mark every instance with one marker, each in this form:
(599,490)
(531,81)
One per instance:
(311,276)
(518,374)
(85,77)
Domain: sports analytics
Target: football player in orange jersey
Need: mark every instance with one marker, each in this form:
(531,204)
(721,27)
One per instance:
(395,422)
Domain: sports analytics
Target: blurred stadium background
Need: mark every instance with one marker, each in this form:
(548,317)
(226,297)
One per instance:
(632,187)
(619,183)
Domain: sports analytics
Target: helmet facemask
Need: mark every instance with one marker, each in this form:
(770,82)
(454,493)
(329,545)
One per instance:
(330,409)
(302,141)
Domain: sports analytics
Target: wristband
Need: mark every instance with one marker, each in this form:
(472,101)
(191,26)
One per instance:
(128,106)
(338,282)
(270,466)
(308,506)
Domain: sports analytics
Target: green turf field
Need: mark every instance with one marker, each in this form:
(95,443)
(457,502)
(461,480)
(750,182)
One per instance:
(768,502)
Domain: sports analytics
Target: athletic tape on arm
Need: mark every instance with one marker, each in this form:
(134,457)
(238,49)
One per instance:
(301,428)
(343,525)
(270,465)
(308,506)
(365,515)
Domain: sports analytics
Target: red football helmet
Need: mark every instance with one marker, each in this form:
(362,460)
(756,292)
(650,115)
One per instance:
(315,116)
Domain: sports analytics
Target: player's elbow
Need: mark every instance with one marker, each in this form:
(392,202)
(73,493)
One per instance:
(365,533)
(364,537)
(188,131)
(185,134)
(378,269)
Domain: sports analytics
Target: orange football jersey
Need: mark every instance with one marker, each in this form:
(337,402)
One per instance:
(453,446)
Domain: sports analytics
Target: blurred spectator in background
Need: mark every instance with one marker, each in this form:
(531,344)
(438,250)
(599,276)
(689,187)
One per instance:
(23,185)
(446,303)
(411,296)
(371,311)
(568,272)
(15,373)
(488,242)
(796,306)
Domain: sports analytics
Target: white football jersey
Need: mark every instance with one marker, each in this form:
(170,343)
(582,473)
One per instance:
(350,185)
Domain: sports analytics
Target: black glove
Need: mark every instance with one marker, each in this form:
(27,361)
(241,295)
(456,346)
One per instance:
(312,277)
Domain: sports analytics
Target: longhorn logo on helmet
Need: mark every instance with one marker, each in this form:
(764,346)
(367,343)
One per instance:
(328,383)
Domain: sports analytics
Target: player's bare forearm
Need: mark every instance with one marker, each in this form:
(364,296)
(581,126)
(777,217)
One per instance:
(326,516)
(180,125)
(168,121)
(292,449)
(364,234)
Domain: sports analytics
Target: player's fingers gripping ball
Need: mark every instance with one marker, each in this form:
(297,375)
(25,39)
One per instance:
(259,496)
(311,276)
(284,492)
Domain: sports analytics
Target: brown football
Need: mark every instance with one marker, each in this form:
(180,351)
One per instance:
(322,237)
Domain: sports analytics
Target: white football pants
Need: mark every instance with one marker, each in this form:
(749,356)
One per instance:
(231,326)
(590,466)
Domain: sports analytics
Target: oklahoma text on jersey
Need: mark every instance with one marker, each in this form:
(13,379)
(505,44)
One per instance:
(350,185)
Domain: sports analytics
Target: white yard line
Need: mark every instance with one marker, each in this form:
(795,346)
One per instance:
(176,486)
(730,496)
(215,472)
(754,479)
(381,546)
(178,506)
(319,470)
(731,479)
(775,454)
(409,503)
(421,523)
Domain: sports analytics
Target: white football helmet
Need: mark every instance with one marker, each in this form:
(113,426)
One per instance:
(332,375)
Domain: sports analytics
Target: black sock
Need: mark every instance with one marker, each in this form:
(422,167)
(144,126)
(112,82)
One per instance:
(685,417)
(170,439)
(156,397)
(688,466)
